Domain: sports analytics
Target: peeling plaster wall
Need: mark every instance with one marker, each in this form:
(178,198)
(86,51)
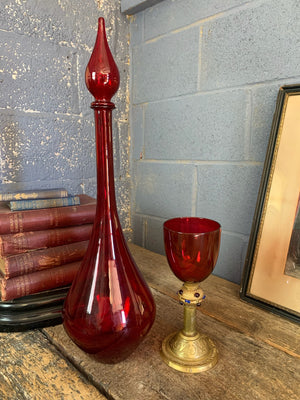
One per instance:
(46,124)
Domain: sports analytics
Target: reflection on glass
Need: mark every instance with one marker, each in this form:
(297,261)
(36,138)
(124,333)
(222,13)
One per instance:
(292,266)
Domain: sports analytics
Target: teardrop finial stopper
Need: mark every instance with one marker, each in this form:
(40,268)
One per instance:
(102,75)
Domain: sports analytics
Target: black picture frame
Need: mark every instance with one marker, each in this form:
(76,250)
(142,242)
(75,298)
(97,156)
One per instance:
(262,265)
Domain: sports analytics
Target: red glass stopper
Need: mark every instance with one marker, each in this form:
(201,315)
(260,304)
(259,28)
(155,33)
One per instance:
(102,75)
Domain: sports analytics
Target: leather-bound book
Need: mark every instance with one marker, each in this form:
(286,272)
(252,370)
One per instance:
(39,260)
(34,204)
(34,194)
(16,243)
(39,281)
(48,218)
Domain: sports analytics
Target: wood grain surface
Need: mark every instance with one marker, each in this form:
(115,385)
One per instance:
(31,368)
(258,353)
(247,369)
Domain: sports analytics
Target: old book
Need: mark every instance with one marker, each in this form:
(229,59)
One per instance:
(16,243)
(47,218)
(38,260)
(38,281)
(34,204)
(34,194)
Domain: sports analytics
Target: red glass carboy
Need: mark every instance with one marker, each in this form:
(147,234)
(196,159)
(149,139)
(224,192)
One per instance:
(109,308)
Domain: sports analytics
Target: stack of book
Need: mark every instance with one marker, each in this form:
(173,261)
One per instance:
(43,238)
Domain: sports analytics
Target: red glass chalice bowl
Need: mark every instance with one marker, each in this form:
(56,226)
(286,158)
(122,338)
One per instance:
(192,247)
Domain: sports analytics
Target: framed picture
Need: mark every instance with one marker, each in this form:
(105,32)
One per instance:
(271,277)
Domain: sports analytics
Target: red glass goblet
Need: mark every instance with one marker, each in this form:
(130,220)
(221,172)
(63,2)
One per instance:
(192,248)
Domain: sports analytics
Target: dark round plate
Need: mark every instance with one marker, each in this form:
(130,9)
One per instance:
(34,311)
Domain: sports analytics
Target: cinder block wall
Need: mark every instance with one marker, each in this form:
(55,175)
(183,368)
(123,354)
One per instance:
(46,124)
(204,81)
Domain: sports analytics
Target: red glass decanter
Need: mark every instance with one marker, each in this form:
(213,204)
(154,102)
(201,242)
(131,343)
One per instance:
(109,308)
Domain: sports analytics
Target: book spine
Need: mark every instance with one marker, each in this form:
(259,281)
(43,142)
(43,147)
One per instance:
(36,220)
(16,243)
(19,205)
(34,194)
(38,260)
(38,281)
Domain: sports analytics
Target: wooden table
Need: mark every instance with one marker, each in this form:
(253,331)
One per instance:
(259,353)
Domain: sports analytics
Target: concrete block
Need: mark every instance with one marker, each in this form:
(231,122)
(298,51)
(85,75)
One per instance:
(59,22)
(138,229)
(200,127)
(26,146)
(228,194)
(263,108)
(123,190)
(171,15)
(47,20)
(137,132)
(121,149)
(37,77)
(137,29)
(255,44)
(41,149)
(163,190)
(74,154)
(230,261)
(154,239)
(135,6)
(166,67)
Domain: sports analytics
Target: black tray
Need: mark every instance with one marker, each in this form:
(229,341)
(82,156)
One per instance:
(34,311)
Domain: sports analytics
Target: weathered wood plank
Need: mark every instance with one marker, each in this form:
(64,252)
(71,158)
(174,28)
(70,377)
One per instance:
(247,369)
(31,368)
(223,303)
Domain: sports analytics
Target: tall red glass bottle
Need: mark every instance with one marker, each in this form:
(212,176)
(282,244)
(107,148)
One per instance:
(109,307)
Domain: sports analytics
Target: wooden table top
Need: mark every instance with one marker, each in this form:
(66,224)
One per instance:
(259,353)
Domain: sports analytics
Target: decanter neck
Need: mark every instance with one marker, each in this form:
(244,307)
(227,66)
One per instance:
(106,200)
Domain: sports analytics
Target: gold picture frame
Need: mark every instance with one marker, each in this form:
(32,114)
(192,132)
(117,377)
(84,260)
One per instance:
(271,277)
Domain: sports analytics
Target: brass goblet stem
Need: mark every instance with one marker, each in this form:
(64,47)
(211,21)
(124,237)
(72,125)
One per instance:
(189,320)
(191,296)
(189,350)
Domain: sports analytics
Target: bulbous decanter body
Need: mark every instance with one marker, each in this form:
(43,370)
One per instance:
(109,308)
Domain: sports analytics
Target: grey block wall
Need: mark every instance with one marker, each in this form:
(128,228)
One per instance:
(204,82)
(46,124)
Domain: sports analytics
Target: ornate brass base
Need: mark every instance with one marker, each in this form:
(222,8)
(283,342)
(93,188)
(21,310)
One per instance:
(189,353)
